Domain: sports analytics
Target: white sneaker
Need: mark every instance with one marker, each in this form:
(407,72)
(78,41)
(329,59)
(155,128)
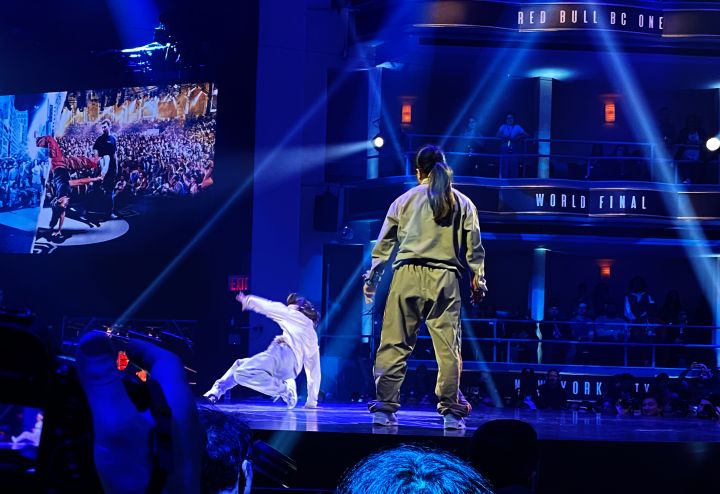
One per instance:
(213,395)
(291,396)
(453,421)
(14,439)
(384,418)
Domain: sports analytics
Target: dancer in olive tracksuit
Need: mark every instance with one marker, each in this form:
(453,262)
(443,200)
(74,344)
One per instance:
(437,232)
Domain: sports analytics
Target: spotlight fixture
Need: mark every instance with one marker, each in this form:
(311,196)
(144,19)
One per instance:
(378,141)
(713,144)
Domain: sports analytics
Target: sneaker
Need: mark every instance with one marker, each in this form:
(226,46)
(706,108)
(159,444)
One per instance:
(14,439)
(291,396)
(384,418)
(453,421)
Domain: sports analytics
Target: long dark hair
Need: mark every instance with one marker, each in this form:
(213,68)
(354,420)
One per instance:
(430,161)
(304,306)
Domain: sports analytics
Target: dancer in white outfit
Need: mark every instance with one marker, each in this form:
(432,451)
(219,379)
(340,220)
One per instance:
(33,436)
(273,371)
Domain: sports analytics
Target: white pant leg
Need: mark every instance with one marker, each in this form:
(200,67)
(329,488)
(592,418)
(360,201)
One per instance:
(267,371)
(28,436)
(227,381)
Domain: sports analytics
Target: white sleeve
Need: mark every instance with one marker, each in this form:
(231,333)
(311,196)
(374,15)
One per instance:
(312,373)
(274,310)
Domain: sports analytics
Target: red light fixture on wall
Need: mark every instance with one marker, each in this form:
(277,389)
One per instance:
(605,268)
(609,112)
(406,115)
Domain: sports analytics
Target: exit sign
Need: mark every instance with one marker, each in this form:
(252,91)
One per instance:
(237,283)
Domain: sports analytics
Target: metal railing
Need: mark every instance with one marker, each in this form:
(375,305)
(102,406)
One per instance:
(572,158)
(492,340)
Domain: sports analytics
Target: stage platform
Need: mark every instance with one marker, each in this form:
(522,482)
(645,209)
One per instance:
(580,452)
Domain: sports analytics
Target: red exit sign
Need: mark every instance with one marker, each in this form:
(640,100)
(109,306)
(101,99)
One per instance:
(237,283)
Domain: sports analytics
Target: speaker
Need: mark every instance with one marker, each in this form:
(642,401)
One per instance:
(325,212)
(342,299)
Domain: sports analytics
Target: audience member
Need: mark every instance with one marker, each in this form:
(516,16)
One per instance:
(526,394)
(551,394)
(131,450)
(225,465)
(411,469)
(554,328)
(699,382)
(581,329)
(512,136)
(620,397)
(690,153)
(470,142)
(650,407)
(610,328)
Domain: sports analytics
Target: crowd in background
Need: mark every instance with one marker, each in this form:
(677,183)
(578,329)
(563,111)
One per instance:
(169,158)
(21,182)
(512,152)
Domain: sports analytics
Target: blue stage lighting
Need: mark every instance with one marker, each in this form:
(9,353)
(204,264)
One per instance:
(552,73)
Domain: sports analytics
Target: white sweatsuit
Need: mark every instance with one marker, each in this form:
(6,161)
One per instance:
(287,355)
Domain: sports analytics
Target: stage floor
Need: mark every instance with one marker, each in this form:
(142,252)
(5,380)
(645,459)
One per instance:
(425,422)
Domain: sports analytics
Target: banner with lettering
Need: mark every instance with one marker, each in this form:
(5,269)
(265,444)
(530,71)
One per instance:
(552,17)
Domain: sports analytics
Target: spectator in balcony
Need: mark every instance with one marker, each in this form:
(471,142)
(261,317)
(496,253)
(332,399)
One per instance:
(553,327)
(512,137)
(690,153)
(551,394)
(640,311)
(638,301)
(610,328)
(470,142)
(581,329)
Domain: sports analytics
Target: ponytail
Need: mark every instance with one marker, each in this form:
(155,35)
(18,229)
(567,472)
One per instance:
(440,193)
(430,161)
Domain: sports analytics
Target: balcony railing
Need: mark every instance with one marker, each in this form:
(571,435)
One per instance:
(520,341)
(573,159)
